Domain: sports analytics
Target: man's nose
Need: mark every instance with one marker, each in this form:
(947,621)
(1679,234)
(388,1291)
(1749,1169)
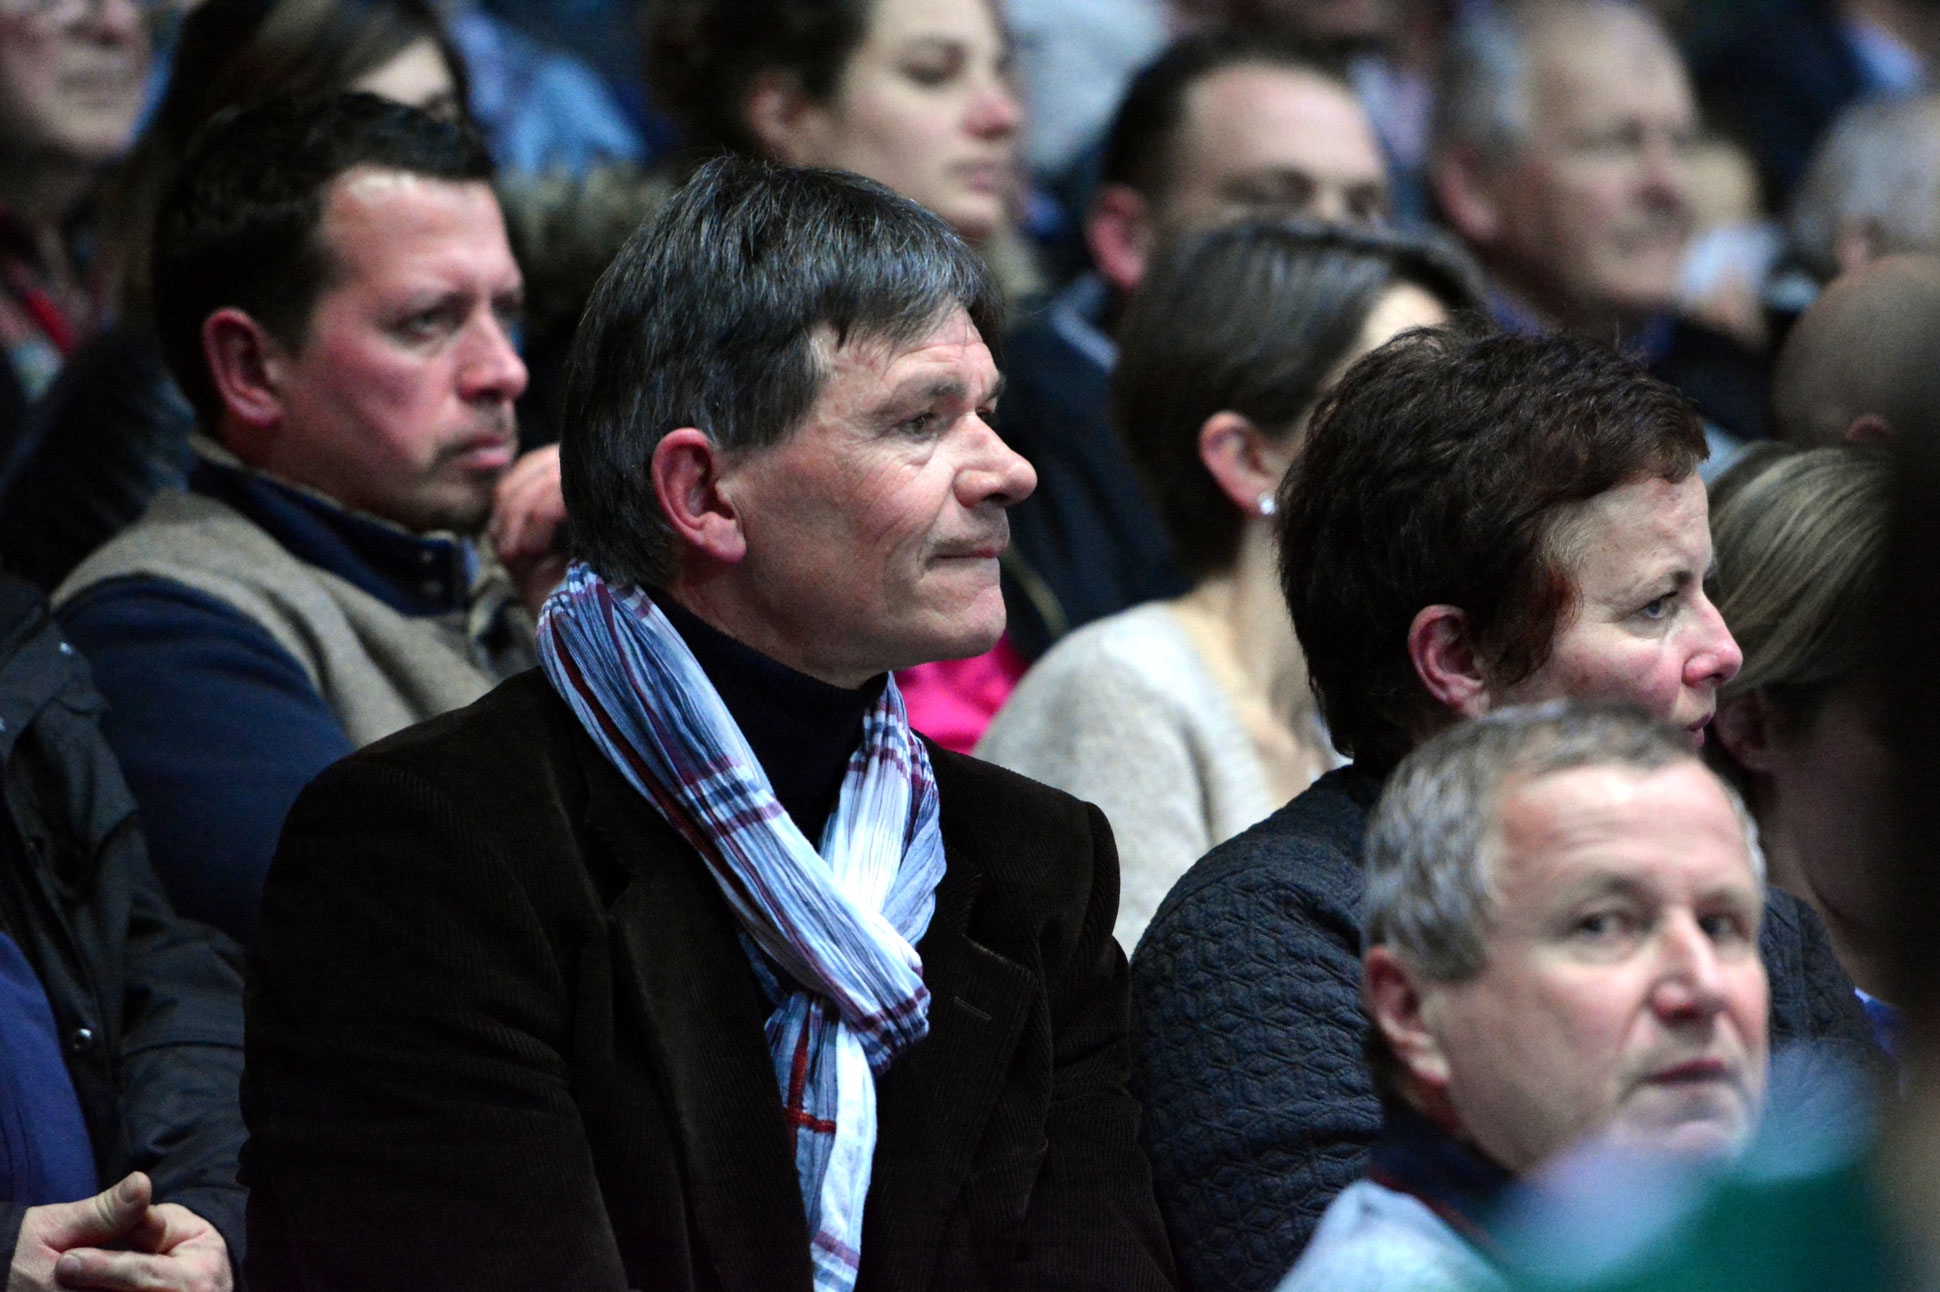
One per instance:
(997,473)
(1691,980)
(1715,657)
(492,368)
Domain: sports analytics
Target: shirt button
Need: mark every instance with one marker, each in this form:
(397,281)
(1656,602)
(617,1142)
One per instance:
(81,1040)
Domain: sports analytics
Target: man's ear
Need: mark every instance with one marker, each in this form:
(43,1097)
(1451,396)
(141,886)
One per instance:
(1743,726)
(1869,428)
(786,122)
(246,365)
(1856,244)
(1445,660)
(687,471)
(1119,233)
(1466,191)
(1394,1002)
(1245,463)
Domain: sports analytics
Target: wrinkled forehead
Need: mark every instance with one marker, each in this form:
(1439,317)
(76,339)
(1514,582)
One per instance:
(1557,834)
(1603,59)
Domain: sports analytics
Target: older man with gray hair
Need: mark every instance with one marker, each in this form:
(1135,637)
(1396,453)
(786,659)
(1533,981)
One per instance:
(1561,923)
(1560,153)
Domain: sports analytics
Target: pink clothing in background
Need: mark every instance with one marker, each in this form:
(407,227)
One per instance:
(953,700)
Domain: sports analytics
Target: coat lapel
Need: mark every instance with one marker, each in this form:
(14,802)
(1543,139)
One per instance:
(704,1017)
(934,1103)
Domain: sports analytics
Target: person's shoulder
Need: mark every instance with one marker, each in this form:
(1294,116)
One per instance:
(1375,1238)
(510,744)
(1024,837)
(1138,657)
(1311,844)
(977,794)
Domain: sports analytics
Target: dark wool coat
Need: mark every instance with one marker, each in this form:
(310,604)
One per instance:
(503,1035)
(1247,1032)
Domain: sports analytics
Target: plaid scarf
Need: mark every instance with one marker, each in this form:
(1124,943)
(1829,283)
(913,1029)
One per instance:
(841,923)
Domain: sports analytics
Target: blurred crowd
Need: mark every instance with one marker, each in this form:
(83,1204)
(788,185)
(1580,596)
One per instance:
(1406,406)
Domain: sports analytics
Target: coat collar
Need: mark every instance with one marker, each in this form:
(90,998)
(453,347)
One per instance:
(704,1015)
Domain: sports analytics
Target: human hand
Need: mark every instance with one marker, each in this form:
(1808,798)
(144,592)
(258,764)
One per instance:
(528,516)
(170,1248)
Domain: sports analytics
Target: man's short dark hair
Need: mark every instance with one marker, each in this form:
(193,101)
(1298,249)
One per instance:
(1253,318)
(1434,474)
(710,317)
(238,227)
(1140,144)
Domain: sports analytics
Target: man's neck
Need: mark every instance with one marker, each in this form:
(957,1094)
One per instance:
(1520,308)
(802,730)
(40,196)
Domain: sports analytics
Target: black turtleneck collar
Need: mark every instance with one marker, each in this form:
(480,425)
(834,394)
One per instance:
(801,729)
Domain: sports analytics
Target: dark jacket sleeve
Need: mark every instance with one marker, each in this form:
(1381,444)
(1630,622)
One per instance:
(1813,1003)
(411,1114)
(1247,1054)
(217,729)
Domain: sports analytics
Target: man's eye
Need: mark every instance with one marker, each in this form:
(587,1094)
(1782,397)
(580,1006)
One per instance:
(1656,607)
(1726,929)
(425,325)
(921,424)
(1604,926)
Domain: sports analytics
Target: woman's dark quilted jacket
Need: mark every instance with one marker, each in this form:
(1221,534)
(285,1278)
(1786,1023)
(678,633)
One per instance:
(1247,1033)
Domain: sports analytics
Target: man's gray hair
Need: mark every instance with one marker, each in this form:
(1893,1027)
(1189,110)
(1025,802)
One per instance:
(1878,166)
(1432,840)
(1482,91)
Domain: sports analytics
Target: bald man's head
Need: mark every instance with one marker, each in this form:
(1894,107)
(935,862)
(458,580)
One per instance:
(1859,365)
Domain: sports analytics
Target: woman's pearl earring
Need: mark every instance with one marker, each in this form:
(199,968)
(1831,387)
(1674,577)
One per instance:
(1267,505)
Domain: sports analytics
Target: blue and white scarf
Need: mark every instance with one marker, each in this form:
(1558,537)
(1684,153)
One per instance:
(842,922)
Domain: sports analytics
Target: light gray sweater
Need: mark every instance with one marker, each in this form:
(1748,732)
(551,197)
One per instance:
(1374,1239)
(1125,713)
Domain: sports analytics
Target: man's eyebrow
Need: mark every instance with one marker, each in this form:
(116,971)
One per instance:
(949,389)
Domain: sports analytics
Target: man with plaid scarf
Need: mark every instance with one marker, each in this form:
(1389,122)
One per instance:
(683,962)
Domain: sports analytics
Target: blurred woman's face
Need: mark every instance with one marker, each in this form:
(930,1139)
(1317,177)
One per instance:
(417,75)
(926,107)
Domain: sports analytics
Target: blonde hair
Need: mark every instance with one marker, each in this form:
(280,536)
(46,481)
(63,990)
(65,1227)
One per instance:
(1800,542)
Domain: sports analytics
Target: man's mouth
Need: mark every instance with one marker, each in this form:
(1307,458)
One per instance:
(1694,1072)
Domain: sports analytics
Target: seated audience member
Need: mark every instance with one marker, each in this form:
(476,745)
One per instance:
(1473,521)
(334,293)
(118,432)
(1220,128)
(1533,988)
(1801,549)
(533,1006)
(1871,191)
(1188,720)
(1560,156)
(72,79)
(1856,366)
(120,1022)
